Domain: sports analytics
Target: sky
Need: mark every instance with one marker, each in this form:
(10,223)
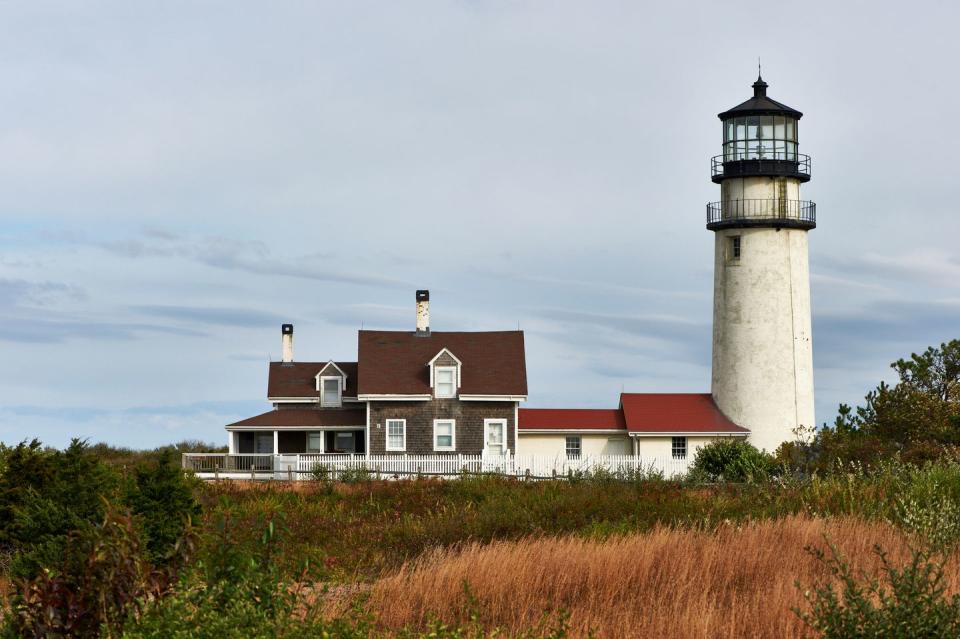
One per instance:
(177,179)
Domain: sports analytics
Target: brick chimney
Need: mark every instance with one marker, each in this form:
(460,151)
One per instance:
(287,336)
(423,312)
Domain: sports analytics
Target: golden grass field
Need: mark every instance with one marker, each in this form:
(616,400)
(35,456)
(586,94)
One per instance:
(734,582)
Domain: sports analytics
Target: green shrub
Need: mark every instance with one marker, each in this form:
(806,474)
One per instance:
(101,578)
(162,498)
(47,494)
(911,604)
(733,460)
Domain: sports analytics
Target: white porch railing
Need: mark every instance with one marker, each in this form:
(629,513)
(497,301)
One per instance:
(308,466)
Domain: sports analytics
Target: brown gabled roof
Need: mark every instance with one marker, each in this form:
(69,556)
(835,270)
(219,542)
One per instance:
(534,419)
(675,413)
(306,418)
(395,362)
(299,379)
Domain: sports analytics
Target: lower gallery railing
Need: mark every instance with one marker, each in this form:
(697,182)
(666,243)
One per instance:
(309,466)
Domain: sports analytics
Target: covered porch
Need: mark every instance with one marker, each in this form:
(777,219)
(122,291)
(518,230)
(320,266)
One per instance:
(339,441)
(292,431)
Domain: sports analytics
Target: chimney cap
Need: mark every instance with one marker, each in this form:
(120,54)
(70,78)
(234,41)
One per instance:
(423,295)
(286,329)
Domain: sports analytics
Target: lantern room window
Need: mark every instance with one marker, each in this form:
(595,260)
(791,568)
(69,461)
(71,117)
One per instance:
(760,137)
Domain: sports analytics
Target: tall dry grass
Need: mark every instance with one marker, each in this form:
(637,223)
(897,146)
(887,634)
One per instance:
(734,582)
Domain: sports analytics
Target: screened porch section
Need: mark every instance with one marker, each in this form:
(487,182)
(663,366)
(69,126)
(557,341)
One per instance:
(270,442)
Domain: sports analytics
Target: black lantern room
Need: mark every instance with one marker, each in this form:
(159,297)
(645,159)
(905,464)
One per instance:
(760,139)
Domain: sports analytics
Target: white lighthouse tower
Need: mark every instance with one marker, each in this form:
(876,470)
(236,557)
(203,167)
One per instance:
(762,353)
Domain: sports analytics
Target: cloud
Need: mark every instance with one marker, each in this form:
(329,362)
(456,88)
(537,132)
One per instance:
(16,292)
(138,426)
(841,338)
(34,329)
(216,316)
(28,314)
(248,256)
(371,316)
(926,265)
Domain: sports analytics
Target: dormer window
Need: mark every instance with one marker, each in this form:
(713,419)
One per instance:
(446,381)
(445,374)
(330,383)
(330,391)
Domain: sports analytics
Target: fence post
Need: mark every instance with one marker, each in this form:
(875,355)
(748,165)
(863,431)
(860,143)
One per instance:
(289,473)
(253,471)
(216,471)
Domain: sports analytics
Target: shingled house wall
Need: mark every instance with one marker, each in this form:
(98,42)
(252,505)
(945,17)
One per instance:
(420,415)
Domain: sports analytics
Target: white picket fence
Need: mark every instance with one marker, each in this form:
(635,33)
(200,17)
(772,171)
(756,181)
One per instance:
(309,466)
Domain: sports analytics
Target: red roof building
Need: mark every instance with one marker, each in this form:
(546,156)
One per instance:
(639,414)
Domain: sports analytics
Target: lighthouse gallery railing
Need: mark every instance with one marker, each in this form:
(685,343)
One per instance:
(762,210)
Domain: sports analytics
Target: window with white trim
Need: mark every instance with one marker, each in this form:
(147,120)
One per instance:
(678,447)
(444,434)
(574,446)
(396,434)
(445,381)
(330,391)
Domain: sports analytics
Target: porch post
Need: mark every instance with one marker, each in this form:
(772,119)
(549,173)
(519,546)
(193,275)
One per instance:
(276,442)
(231,442)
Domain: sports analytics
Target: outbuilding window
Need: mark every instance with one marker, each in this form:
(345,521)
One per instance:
(678,447)
(574,447)
(396,434)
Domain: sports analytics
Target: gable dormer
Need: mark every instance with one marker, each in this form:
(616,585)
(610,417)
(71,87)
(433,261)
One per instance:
(331,380)
(445,371)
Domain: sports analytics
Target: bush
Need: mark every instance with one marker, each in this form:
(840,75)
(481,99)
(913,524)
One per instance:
(47,494)
(913,604)
(162,498)
(102,577)
(733,460)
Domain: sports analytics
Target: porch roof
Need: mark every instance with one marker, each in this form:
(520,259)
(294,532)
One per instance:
(305,418)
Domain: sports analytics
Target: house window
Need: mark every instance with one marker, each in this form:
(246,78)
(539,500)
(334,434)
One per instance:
(444,435)
(446,381)
(733,254)
(344,443)
(678,447)
(574,447)
(330,391)
(314,442)
(396,434)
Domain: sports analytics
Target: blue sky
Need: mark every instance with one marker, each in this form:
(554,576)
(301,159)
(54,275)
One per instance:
(178,179)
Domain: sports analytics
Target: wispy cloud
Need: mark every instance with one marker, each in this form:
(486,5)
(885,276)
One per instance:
(217,316)
(248,256)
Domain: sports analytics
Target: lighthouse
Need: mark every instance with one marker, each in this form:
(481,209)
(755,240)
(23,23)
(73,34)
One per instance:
(762,375)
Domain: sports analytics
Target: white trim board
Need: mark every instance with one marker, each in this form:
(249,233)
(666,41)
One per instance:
(687,433)
(304,428)
(526,432)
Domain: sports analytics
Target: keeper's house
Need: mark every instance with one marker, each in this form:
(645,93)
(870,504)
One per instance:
(426,393)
